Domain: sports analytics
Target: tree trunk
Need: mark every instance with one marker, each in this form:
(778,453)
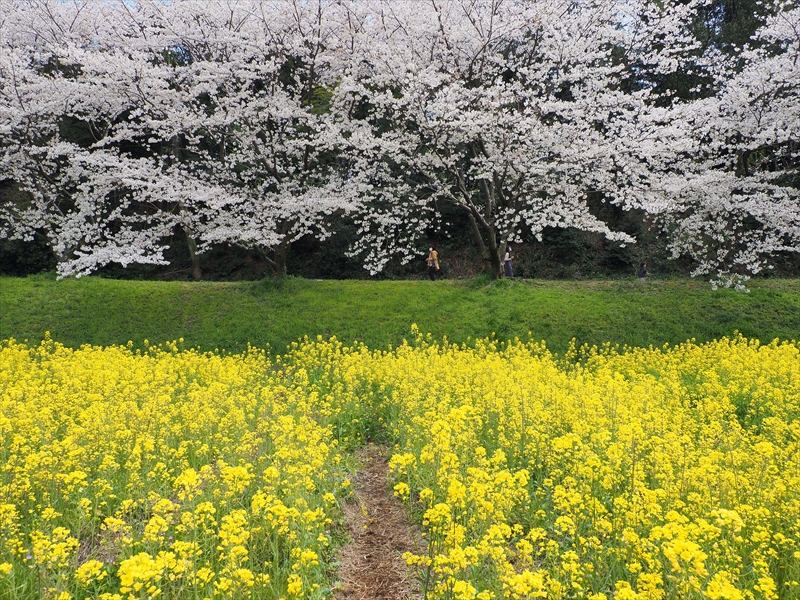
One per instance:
(177,148)
(279,259)
(494,255)
(490,199)
(277,262)
(476,235)
(490,246)
(197,273)
(487,247)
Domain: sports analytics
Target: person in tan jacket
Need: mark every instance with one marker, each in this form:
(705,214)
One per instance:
(433,262)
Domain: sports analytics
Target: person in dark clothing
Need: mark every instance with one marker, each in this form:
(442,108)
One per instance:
(507,270)
(642,272)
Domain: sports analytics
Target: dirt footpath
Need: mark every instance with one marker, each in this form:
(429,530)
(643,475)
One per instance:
(372,565)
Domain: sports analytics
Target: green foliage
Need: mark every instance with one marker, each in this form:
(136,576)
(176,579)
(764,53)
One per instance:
(379,313)
(19,258)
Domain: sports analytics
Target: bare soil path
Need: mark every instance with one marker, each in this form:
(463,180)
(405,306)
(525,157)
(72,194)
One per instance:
(372,565)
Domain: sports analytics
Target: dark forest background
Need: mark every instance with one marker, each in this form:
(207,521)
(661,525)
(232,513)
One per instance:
(562,254)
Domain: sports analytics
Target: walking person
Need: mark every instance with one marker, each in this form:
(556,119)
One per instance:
(507,270)
(642,272)
(433,262)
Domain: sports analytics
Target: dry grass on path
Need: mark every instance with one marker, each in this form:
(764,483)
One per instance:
(371,565)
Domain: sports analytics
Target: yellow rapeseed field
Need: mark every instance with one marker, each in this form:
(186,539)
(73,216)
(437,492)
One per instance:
(637,474)
(165,473)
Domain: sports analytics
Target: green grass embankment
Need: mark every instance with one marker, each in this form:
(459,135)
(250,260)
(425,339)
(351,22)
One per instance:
(378,313)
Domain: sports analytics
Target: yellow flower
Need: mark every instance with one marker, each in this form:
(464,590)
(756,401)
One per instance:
(721,588)
(527,584)
(463,590)
(137,572)
(295,586)
(90,571)
(535,474)
(402,491)
(623,591)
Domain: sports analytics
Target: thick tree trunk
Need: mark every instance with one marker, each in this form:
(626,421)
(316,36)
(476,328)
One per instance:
(177,142)
(742,158)
(197,273)
(476,235)
(279,259)
(282,250)
(485,239)
(494,255)
(490,201)
(276,262)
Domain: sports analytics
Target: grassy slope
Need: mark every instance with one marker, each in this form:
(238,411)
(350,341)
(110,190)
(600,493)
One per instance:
(379,313)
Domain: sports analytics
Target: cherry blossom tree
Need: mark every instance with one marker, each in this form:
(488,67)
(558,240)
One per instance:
(256,123)
(94,203)
(224,103)
(514,112)
(247,115)
(732,201)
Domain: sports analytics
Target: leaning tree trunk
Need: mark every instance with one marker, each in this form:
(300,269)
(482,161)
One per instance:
(494,255)
(483,227)
(275,258)
(486,240)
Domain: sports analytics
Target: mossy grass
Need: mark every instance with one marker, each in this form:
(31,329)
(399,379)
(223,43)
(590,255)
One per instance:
(273,314)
